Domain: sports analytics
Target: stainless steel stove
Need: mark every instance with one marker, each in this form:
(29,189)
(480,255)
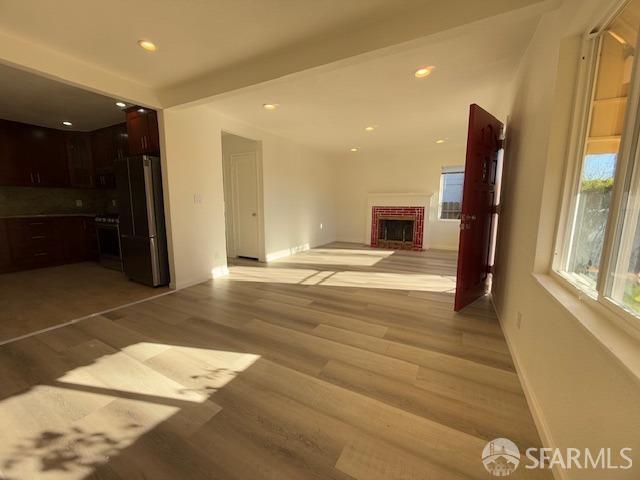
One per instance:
(109,241)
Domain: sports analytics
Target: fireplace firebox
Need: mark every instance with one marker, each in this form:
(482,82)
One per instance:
(396,232)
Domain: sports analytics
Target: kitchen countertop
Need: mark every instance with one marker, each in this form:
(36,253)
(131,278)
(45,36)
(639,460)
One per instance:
(50,215)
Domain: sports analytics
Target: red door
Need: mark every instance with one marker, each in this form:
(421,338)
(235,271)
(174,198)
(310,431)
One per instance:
(479,197)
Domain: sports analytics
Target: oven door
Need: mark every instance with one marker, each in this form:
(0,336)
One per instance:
(109,246)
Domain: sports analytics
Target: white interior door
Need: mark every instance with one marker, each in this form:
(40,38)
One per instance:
(245,176)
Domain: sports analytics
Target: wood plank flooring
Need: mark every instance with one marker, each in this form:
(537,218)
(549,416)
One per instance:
(338,363)
(36,299)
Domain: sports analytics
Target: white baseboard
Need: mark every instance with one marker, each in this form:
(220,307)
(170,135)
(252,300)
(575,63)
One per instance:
(442,247)
(534,406)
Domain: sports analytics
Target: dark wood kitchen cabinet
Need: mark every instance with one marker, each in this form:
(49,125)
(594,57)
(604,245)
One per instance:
(33,243)
(44,150)
(76,237)
(46,157)
(46,241)
(142,129)
(5,250)
(14,169)
(108,145)
(79,160)
(32,156)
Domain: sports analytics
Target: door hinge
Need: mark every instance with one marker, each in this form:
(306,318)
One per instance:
(496,209)
(489,269)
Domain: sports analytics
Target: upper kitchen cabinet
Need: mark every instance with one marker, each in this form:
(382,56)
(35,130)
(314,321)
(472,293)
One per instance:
(108,145)
(142,129)
(79,159)
(32,156)
(44,149)
(14,169)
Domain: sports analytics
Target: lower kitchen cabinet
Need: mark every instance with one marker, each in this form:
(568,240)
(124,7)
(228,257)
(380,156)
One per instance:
(5,250)
(46,241)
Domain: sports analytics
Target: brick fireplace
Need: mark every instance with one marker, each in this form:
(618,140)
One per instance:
(398,228)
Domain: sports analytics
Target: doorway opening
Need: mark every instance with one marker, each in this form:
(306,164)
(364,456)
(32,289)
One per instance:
(242,180)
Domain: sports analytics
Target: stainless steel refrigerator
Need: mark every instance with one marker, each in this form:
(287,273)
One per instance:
(143,238)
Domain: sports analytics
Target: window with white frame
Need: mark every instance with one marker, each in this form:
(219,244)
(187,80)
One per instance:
(598,248)
(451,183)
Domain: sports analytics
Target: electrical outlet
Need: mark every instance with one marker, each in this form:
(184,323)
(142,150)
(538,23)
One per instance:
(519,320)
(197,198)
(78,203)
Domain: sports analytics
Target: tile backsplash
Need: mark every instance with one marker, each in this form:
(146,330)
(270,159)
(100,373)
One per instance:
(42,201)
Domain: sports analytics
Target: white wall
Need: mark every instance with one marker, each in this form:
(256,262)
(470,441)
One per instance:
(581,396)
(299,192)
(299,200)
(194,196)
(406,171)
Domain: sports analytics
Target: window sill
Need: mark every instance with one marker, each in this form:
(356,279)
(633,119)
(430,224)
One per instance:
(597,321)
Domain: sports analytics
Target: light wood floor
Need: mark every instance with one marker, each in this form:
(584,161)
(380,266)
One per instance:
(36,299)
(320,368)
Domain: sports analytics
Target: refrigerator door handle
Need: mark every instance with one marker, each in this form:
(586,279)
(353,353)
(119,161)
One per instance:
(149,197)
(155,261)
(130,195)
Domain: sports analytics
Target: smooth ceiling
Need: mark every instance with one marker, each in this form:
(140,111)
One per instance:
(329,109)
(29,98)
(209,47)
(193,36)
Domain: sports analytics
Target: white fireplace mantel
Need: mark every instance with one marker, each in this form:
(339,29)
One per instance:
(419,199)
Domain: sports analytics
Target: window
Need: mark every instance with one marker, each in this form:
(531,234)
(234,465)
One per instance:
(602,230)
(451,183)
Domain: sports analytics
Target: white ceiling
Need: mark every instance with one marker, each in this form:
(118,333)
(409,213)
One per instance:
(329,108)
(29,98)
(193,36)
(208,47)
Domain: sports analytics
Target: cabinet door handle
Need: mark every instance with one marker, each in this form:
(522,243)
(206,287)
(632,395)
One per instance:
(33,224)
(142,142)
(31,177)
(36,237)
(40,254)
(38,176)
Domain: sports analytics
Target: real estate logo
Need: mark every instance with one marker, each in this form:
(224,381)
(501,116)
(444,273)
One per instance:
(501,457)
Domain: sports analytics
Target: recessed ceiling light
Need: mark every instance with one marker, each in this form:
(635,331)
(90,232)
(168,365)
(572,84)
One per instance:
(354,149)
(270,106)
(67,124)
(440,140)
(423,72)
(370,128)
(121,104)
(147,45)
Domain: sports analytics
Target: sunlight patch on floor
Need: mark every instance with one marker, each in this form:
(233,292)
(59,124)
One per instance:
(335,256)
(391,281)
(333,278)
(69,426)
(269,275)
